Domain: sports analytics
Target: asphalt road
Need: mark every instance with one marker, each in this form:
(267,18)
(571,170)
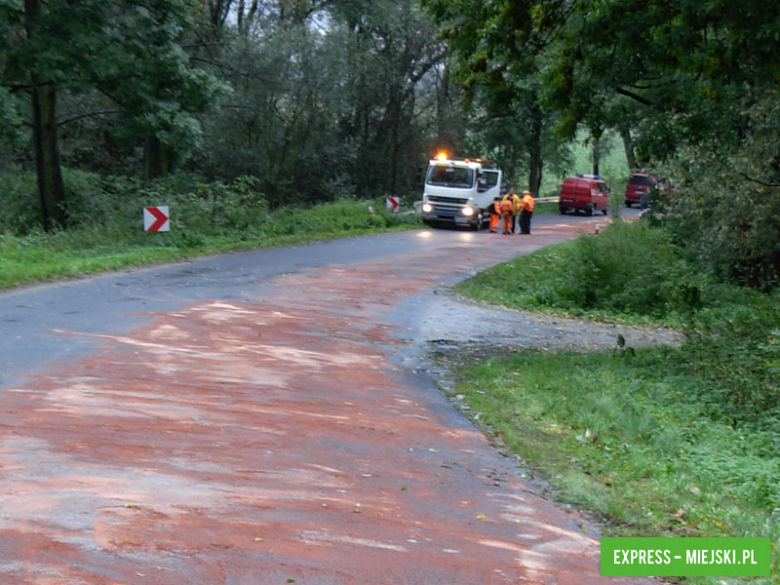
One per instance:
(256,418)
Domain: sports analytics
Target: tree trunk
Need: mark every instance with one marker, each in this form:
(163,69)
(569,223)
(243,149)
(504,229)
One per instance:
(536,160)
(596,152)
(157,159)
(628,145)
(51,188)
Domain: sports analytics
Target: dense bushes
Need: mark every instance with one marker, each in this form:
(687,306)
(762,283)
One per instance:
(733,349)
(105,228)
(635,271)
(626,269)
(113,205)
(726,205)
(632,270)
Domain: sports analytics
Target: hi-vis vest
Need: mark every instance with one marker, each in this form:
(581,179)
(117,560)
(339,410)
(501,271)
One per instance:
(507,206)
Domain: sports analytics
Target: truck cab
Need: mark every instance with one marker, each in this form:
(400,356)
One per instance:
(459,191)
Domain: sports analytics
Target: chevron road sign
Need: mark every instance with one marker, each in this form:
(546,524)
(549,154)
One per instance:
(156,219)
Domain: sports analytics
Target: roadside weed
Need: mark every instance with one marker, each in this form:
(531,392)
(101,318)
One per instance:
(628,441)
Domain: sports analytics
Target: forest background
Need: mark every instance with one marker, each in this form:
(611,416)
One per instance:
(268,103)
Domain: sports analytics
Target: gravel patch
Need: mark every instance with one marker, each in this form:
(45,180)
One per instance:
(453,322)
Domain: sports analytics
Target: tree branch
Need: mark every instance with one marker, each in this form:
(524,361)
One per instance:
(634,96)
(90,115)
(16,87)
(773,185)
(227,68)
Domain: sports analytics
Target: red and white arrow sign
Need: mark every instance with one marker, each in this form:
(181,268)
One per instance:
(392,203)
(156,219)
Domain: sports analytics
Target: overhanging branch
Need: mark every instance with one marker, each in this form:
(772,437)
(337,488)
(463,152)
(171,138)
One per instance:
(635,97)
(751,179)
(90,115)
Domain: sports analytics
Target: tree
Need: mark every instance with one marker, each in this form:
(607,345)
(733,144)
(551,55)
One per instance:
(126,52)
(678,79)
(331,98)
(391,53)
(493,54)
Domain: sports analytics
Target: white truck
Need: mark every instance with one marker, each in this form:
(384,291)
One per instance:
(459,191)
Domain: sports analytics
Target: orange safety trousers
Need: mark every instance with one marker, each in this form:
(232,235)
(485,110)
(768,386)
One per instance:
(509,222)
(494,219)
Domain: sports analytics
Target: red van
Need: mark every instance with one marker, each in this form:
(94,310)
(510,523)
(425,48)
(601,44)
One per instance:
(588,193)
(637,188)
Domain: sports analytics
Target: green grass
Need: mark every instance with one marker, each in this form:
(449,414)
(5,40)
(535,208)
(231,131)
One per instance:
(655,442)
(38,257)
(623,436)
(612,276)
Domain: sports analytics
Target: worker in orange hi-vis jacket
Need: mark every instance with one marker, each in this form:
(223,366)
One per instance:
(495,215)
(508,208)
(527,205)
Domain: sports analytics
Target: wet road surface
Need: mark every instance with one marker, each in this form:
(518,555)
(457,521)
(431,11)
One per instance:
(240,421)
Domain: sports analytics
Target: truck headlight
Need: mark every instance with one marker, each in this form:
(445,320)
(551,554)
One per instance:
(427,207)
(467,211)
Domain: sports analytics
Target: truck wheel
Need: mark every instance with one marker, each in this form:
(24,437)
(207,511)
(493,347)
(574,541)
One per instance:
(589,210)
(562,210)
(606,211)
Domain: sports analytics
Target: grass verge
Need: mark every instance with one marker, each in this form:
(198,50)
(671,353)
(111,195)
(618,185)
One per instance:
(623,436)
(654,442)
(38,257)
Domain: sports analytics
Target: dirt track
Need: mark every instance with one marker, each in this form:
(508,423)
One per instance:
(276,440)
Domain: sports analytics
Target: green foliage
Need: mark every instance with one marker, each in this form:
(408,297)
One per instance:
(633,271)
(734,352)
(106,230)
(321,114)
(20,203)
(629,439)
(121,58)
(628,269)
(691,86)
(726,208)
(625,269)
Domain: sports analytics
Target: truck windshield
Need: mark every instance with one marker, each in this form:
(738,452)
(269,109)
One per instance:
(459,177)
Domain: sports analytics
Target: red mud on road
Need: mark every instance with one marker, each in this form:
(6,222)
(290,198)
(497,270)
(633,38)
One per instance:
(273,442)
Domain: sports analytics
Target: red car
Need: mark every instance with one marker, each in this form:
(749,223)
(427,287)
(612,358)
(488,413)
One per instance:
(637,188)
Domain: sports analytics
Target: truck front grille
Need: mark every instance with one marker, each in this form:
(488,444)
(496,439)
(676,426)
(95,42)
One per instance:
(450,200)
